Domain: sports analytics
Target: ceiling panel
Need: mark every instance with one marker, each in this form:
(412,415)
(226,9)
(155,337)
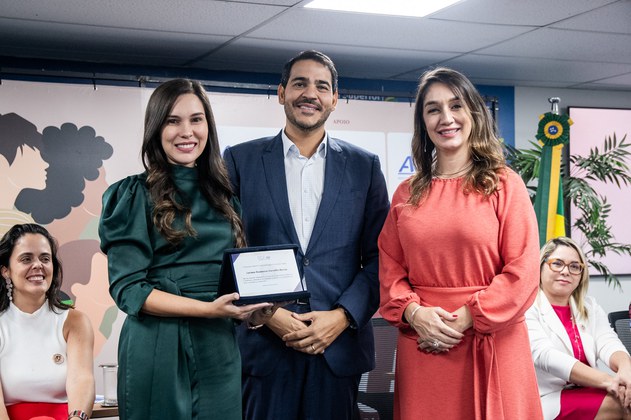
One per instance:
(534,69)
(531,12)
(378,63)
(562,43)
(190,16)
(613,18)
(567,45)
(67,42)
(384,31)
(619,81)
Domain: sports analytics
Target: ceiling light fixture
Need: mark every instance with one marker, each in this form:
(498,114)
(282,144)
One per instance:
(413,8)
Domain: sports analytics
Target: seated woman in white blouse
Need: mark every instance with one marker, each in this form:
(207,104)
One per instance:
(46,365)
(569,332)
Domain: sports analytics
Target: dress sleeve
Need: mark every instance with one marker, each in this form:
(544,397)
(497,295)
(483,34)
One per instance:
(606,340)
(395,290)
(124,229)
(545,355)
(513,290)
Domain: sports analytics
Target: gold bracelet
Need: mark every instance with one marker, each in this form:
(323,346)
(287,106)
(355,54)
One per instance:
(413,313)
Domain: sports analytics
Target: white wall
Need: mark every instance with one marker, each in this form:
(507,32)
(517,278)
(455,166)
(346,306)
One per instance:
(530,103)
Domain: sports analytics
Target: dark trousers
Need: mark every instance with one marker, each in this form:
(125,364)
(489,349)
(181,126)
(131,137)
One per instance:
(302,387)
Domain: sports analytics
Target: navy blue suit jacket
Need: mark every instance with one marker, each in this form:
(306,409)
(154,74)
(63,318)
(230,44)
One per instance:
(340,265)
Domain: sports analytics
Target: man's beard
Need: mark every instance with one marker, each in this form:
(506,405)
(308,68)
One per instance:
(304,126)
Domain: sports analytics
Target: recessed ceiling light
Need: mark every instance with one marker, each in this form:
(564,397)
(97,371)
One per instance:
(415,8)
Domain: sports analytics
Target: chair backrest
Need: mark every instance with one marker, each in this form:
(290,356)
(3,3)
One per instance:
(377,386)
(621,324)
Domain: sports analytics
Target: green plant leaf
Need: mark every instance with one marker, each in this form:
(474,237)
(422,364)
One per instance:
(607,164)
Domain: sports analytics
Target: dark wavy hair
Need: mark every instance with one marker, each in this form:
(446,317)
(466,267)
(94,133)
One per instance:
(7,244)
(75,155)
(213,175)
(15,133)
(485,148)
(316,56)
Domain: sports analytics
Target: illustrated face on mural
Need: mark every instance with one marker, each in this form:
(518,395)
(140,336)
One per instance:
(185,131)
(28,169)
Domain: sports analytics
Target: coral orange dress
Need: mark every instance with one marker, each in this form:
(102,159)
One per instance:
(457,249)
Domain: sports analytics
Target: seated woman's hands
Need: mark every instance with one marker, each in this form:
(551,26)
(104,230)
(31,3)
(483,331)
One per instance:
(435,335)
(621,387)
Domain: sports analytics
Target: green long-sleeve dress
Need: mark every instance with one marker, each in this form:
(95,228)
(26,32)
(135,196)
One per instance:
(169,368)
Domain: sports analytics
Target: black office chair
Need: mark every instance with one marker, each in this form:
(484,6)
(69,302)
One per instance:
(621,324)
(378,385)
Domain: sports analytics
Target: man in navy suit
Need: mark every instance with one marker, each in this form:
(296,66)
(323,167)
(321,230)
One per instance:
(330,198)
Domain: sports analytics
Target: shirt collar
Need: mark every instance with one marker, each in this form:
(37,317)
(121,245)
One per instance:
(290,148)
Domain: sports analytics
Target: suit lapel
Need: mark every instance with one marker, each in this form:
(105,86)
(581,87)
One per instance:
(554,323)
(274,167)
(333,176)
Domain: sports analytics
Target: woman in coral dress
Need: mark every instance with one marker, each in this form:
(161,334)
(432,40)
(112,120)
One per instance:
(458,266)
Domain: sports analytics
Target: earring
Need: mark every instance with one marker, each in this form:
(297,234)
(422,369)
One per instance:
(9,289)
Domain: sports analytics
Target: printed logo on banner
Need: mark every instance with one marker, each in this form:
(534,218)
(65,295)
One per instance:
(407,167)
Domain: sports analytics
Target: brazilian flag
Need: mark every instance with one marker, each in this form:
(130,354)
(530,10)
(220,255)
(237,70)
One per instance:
(553,133)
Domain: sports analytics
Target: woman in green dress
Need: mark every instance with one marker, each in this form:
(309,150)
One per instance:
(164,232)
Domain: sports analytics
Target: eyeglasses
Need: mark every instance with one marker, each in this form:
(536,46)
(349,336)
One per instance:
(558,265)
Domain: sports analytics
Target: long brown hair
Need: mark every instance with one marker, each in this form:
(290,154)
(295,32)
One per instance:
(212,173)
(484,146)
(7,244)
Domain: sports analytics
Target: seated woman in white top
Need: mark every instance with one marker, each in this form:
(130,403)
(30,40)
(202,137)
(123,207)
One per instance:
(46,365)
(569,332)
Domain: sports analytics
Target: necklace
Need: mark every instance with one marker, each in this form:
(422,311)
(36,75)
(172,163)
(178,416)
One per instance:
(576,338)
(460,171)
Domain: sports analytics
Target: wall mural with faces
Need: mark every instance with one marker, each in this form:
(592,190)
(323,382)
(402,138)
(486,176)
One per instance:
(22,167)
(56,178)
(75,159)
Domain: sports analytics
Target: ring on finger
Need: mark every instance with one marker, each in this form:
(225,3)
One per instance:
(435,344)
(313,348)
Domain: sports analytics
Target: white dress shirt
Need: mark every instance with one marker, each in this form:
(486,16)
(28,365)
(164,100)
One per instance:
(305,184)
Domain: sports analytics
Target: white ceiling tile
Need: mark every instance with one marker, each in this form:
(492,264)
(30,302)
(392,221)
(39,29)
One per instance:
(522,68)
(615,17)
(378,63)
(67,42)
(189,16)
(567,45)
(563,43)
(531,12)
(383,31)
(619,80)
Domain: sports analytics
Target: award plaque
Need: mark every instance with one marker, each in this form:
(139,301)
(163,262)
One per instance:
(262,274)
